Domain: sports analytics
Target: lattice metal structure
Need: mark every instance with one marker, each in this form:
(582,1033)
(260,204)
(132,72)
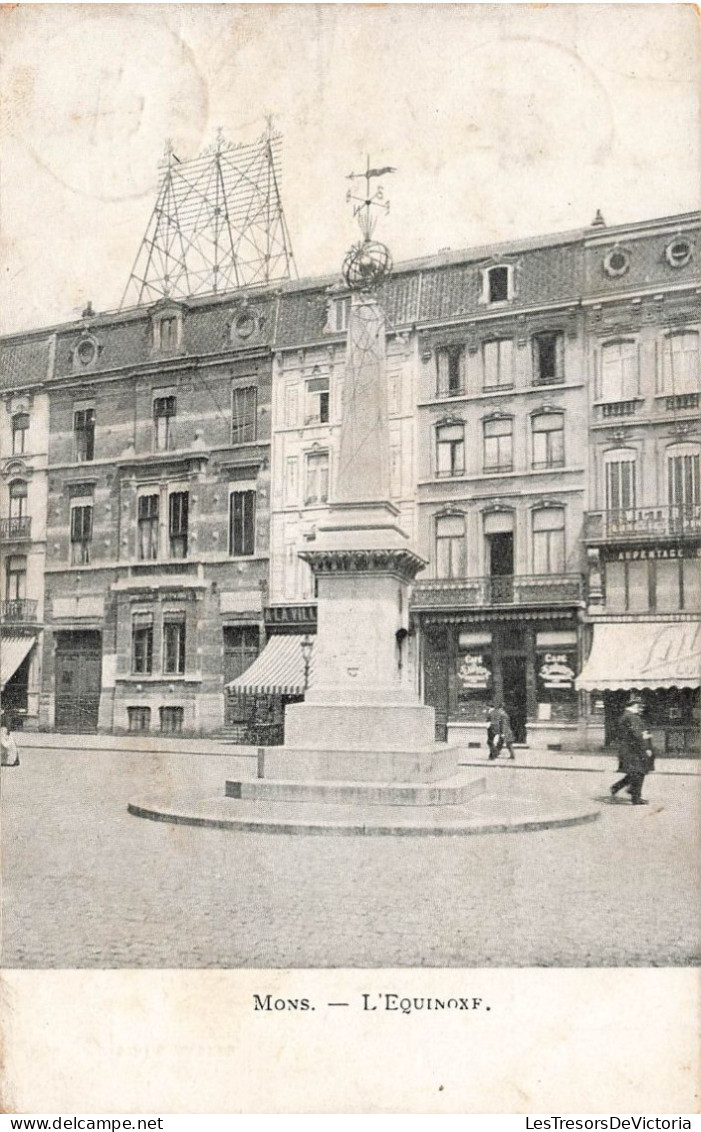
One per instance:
(218,224)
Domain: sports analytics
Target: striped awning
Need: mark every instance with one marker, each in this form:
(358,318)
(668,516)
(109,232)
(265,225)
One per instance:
(278,671)
(12,652)
(654,654)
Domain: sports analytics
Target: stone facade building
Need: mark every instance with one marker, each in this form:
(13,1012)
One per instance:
(158,514)
(643,524)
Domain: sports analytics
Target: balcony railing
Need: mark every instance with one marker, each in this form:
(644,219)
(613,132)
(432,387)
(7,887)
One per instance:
(519,589)
(15,528)
(682,401)
(637,522)
(18,610)
(620,408)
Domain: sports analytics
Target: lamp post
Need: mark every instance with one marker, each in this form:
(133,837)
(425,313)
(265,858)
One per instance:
(307,644)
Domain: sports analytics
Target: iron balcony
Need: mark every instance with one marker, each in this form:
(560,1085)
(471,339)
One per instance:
(18,610)
(643,522)
(17,528)
(519,589)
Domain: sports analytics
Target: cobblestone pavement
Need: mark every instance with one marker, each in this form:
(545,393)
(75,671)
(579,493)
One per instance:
(85,884)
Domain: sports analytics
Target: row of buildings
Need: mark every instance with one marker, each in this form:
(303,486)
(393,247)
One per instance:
(161,467)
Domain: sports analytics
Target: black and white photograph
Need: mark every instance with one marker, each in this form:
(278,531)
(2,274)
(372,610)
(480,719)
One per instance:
(350,493)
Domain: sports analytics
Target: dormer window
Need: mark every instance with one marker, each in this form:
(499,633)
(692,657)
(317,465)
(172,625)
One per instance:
(167,330)
(86,352)
(338,314)
(498,278)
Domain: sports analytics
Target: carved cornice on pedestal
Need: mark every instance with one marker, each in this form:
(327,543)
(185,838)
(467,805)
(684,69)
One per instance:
(402,564)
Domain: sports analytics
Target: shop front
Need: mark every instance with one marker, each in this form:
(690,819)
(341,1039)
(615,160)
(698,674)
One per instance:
(279,676)
(661,660)
(530,662)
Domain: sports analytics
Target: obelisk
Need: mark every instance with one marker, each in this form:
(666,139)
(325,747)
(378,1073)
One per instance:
(362,718)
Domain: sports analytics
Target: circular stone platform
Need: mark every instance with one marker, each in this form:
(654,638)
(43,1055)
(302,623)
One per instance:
(488,813)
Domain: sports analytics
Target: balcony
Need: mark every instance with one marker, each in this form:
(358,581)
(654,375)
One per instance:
(643,522)
(613,409)
(16,529)
(681,401)
(475,593)
(18,611)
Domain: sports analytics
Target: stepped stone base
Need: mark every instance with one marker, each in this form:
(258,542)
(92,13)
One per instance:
(308,764)
(449,792)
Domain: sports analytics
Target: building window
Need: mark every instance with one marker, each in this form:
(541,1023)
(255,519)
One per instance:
(316,486)
(619,371)
(549,540)
(498,363)
(174,644)
(680,363)
(148,526)
(450,546)
(683,483)
(678,253)
(242,523)
(16,578)
(498,445)
(616,262)
(163,414)
(178,507)
(171,720)
(548,358)
(20,427)
(498,284)
(548,440)
(168,328)
(243,415)
(139,718)
(620,481)
(142,644)
(84,432)
(81,533)
(316,409)
(339,313)
(450,369)
(450,449)
(18,499)
(241,647)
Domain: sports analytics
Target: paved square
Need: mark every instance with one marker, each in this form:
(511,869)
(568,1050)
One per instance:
(85,884)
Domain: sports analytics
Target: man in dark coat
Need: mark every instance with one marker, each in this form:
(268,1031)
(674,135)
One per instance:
(499,733)
(636,758)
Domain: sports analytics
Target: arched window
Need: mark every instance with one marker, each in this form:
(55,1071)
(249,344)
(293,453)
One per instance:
(450,546)
(680,363)
(619,371)
(18,499)
(548,431)
(620,471)
(548,540)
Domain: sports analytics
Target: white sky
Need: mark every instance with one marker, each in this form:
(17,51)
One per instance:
(503,121)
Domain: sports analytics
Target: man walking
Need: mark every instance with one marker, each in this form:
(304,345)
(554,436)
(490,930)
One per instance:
(499,733)
(636,757)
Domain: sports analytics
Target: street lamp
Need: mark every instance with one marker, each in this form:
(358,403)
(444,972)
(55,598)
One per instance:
(306,645)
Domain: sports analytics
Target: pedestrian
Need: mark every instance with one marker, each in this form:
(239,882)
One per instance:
(9,755)
(635,751)
(499,733)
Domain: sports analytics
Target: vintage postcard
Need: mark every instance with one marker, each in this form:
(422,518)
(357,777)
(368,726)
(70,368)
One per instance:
(350,532)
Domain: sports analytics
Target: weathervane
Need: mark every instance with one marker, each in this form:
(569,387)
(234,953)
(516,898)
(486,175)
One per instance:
(368,263)
(363,209)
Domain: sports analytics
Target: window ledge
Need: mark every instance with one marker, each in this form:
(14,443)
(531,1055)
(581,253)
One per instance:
(188,678)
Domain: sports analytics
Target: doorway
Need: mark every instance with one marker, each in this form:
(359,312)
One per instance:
(501,567)
(513,675)
(78,661)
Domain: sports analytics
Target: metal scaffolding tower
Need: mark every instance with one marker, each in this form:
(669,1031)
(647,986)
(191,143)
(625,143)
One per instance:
(218,224)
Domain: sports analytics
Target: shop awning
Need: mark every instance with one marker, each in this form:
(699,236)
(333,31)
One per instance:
(278,671)
(643,655)
(12,652)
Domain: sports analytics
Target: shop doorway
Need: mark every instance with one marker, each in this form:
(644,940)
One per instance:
(513,674)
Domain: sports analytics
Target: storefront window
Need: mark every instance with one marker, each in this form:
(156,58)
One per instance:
(474,675)
(556,668)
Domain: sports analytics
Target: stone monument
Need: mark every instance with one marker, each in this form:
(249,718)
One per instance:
(362,720)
